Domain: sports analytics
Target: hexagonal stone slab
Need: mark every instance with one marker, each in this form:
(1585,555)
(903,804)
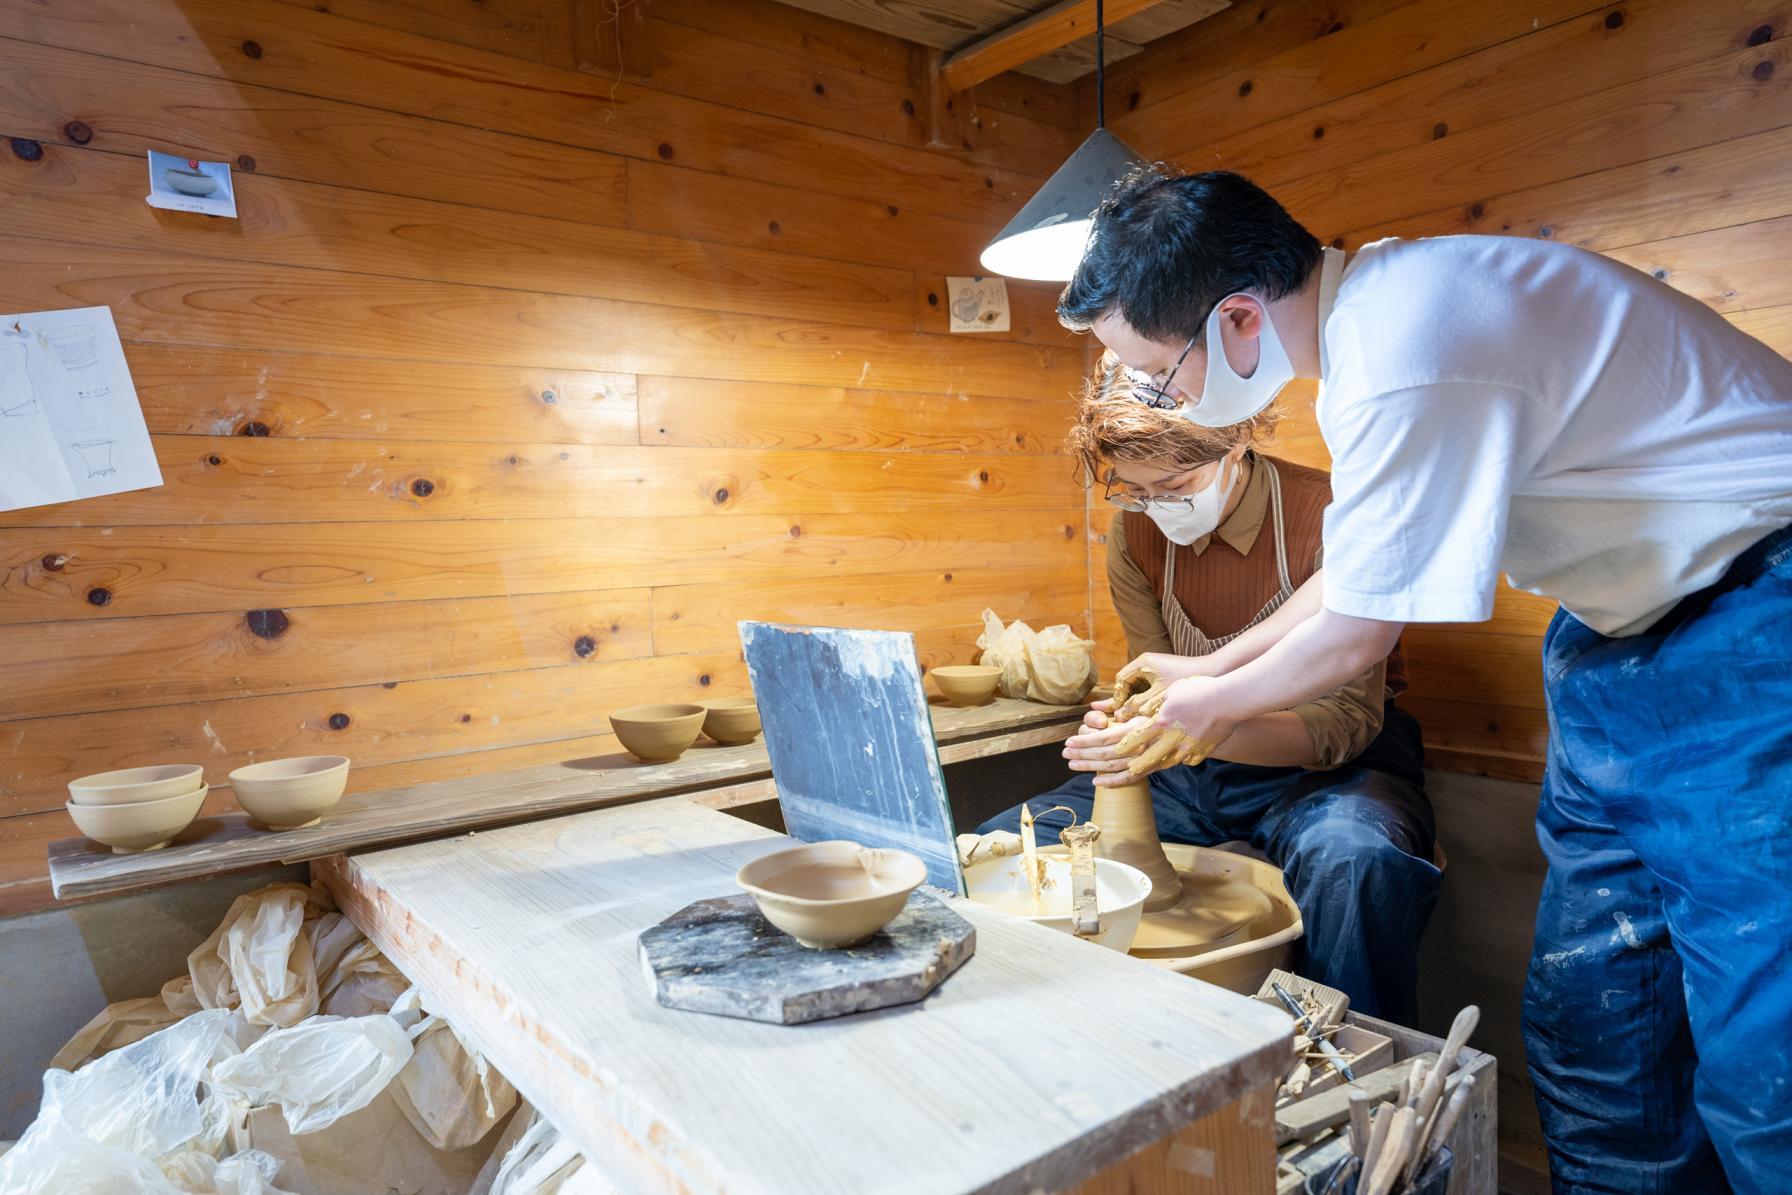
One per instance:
(720,956)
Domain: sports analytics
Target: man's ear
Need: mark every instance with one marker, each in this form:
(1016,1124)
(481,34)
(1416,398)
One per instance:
(1243,315)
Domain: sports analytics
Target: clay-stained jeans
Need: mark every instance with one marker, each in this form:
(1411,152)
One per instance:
(1658,1015)
(1354,845)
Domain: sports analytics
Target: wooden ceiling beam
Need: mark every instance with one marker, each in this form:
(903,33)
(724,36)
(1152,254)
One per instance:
(1041,33)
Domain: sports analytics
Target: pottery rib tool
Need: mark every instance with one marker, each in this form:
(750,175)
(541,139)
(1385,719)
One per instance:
(1313,1032)
(1085,917)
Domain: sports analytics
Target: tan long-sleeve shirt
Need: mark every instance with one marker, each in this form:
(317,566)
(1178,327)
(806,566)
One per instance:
(1224,579)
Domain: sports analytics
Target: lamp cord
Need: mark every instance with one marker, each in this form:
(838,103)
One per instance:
(1101,114)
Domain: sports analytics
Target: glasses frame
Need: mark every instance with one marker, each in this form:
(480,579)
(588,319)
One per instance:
(1156,395)
(1126,501)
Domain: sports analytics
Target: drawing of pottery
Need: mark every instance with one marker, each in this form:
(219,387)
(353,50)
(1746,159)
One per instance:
(190,182)
(75,346)
(16,394)
(96,455)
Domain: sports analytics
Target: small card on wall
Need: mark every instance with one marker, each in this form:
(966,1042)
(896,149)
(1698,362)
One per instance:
(189,185)
(977,304)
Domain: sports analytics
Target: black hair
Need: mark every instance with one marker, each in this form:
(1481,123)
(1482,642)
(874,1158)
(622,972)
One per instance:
(1166,248)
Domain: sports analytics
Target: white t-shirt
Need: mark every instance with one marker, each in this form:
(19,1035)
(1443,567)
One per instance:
(1504,404)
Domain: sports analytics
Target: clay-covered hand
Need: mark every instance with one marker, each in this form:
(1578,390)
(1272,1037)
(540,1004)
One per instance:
(998,843)
(1186,724)
(1132,680)
(1092,748)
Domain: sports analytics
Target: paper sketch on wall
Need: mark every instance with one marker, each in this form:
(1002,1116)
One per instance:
(70,424)
(977,304)
(189,185)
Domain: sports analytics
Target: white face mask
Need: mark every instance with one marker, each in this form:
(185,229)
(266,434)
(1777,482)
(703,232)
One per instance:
(1184,522)
(1226,398)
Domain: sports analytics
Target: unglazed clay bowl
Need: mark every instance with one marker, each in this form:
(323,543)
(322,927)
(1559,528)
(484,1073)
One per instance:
(190,182)
(290,794)
(967,684)
(658,733)
(140,825)
(832,894)
(130,785)
(732,720)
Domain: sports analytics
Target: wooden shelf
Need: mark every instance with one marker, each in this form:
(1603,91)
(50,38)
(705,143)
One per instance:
(718,776)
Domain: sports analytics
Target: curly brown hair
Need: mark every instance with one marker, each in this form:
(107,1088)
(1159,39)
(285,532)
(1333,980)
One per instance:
(1113,425)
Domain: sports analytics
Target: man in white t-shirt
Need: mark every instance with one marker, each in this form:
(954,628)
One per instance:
(1494,405)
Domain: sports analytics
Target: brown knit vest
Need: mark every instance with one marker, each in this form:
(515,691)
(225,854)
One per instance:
(1222,590)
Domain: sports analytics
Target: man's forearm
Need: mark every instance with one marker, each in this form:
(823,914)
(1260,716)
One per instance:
(1301,605)
(1321,653)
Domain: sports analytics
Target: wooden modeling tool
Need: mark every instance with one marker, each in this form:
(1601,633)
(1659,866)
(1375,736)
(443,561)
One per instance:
(1085,916)
(1031,863)
(1380,1119)
(1359,1122)
(1392,1159)
(1432,1092)
(1432,1137)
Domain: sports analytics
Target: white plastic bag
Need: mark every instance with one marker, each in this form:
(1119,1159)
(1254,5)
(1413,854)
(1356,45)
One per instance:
(448,1091)
(260,957)
(359,983)
(114,1026)
(99,1128)
(532,1158)
(1054,666)
(248,1173)
(318,1071)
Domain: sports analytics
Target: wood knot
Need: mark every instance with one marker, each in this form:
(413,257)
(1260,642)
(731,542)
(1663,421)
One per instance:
(796,532)
(254,427)
(423,487)
(989,184)
(1337,242)
(774,228)
(549,397)
(1319,132)
(266,624)
(252,49)
(339,721)
(55,562)
(704,680)
(78,131)
(1760,35)
(1244,89)
(25,149)
(513,459)
(908,107)
(99,595)
(820,90)
(391,684)
(933,299)
(466,718)
(948,578)
(1546,231)
(1133,100)
(721,495)
(983,476)
(214,460)
(892,209)
(1069,532)
(1440,129)
(1476,210)
(1336,26)
(1614,19)
(666,151)
(245,162)
(584,646)
(1659,274)
(1763,70)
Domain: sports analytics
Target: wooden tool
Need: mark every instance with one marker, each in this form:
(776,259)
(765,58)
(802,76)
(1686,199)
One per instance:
(1306,1119)
(1314,1031)
(1439,1129)
(1380,1121)
(1465,1023)
(1359,1122)
(1391,1161)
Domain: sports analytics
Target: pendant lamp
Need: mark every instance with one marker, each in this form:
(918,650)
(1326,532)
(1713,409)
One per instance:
(1045,241)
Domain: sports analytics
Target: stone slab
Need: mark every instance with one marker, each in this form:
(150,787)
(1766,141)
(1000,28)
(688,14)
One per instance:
(721,956)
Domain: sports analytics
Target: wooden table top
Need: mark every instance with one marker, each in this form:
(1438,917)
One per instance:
(1042,1062)
(722,775)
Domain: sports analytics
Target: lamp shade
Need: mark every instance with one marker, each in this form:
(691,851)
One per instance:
(1046,239)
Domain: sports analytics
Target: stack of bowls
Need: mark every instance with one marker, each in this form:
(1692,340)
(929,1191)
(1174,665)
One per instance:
(137,809)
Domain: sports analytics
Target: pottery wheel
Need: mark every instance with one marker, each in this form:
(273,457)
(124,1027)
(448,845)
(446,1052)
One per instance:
(720,956)
(1213,911)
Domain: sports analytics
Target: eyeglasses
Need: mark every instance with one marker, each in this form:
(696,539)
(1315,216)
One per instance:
(1138,505)
(1155,394)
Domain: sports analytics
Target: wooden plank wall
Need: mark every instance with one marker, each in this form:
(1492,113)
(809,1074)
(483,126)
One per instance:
(1656,131)
(515,385)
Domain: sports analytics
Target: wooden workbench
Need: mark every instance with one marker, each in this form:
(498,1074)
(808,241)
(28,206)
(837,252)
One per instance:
(718,776)
(1045,1064)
